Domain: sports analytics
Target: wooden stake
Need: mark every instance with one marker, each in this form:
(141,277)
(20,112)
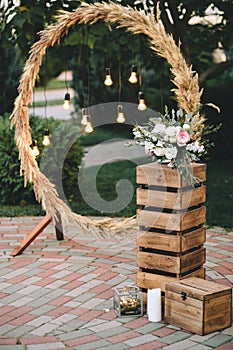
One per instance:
(32,235)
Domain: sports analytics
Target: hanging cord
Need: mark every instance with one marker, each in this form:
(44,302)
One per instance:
(45,106)
(88,68)
(161,94)
(66,84)
(119,83)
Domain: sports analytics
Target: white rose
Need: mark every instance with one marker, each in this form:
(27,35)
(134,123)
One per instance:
(159,151)
(148,147)
(171,131)
(171,152)
(159,144)
(137,134)
(166,138)
(186,126)
(159,129)
(172,139)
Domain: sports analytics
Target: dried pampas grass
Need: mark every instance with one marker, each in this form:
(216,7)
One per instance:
(187,94)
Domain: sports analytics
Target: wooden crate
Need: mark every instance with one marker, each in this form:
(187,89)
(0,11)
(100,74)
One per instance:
(197,305)
(171,218)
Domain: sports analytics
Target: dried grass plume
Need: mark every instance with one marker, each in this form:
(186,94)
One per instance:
(187,94)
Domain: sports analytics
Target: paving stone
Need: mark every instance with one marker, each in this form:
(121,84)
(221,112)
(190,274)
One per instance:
(75,334)
(150,327)
(175,337)
(40,302)
(22,301)
(48,346)
(116,347)
(112,331)
(64,319)
(28,290)
(19,331)
(93,345)
(44,329)
(12,347)
(180,345)
(200,347)
(104,325)
(116,280)
(143,339)
(217,340)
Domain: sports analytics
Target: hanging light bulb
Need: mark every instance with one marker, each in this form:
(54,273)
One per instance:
(66,104)
(141,103)
(133,76)
(108,79)
(120,114)
(35,149)
(89,127)
(46,139)
(84,116)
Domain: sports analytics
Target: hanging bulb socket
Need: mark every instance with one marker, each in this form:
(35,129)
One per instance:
(84,116)
(133,76)
(46,139)
(108,79)
(89,127)
(66,104)
(35,149)
(120,114)
(141,101)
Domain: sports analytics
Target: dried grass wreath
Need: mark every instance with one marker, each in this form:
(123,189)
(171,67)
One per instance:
(187,94)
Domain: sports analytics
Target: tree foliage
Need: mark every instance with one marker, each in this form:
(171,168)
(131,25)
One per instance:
(202,28)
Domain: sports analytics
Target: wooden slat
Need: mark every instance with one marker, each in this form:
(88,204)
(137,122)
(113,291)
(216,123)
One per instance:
(171,200)
(193,239)
(189,307)
(160,241)
(193,218)
(176,243)
(148,280)
(193,197)
(192,260)
(171,221)
(159,262)
(155,174)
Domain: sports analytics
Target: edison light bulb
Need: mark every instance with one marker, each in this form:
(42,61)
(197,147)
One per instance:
(141,103)
(133,76)
(35,149)
(66,104)
(84,116)
(120,114)
(108,79)
(46,139)
(89,128)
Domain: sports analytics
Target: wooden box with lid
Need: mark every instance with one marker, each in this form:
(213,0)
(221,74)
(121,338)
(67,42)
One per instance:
(198,305)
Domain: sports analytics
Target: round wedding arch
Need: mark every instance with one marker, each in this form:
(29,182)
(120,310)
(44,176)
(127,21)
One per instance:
(187,94)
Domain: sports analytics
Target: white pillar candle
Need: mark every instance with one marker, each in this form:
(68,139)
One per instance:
(154,311)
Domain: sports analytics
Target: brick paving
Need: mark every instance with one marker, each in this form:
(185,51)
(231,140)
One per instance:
(58,294)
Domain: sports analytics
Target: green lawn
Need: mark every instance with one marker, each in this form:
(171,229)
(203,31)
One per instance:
(219,193)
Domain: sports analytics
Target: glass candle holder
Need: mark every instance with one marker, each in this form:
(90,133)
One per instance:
(127,301)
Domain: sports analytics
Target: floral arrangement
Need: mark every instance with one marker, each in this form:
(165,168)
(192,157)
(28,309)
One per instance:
(171,139)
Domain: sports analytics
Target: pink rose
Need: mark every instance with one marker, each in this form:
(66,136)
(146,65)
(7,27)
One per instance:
(182,137)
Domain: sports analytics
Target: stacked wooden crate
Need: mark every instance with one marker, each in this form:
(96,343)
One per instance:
(171,217)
